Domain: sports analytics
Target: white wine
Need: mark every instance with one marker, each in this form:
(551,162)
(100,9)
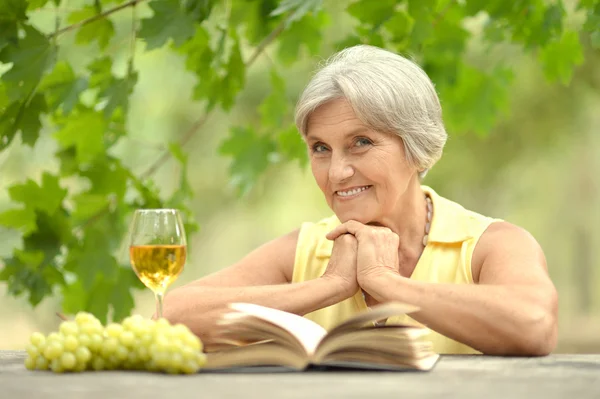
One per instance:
(157,266)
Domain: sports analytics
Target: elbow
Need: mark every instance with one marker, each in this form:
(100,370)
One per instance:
(538,335)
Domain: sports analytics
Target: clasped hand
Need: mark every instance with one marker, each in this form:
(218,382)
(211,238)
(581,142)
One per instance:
(361,255)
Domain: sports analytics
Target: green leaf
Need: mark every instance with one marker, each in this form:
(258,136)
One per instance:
(30,58)
(255,16)
(423,28)
(235,78)
(24,118)
(476,100)
(35,4)
(107,177)
(275,106)
(168,22)
(87,205)
(400,25)
(121,298)
(305,32)
(199,10)
(13,10)
(101,30)
(101,73)
(99,299)
(297,9)
(84,131)
(595,37)
(19,219)
(118,94)
(250,156)
(558,58)
(62,87)
(47,197)
(373,13)
(292,147)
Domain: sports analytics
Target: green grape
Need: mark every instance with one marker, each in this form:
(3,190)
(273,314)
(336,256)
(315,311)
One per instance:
(84,340)
(32,350)
(97,341)
(175,359)
(91,328)
(30,362)
(85,318)
(121,352)
(54,336)
(71,343)
(68,328)
(190,366)
(83,354)
(127,338)
(56,366)
(68,361)
(37,339)
(114,330)
(53,350)
(98,363)
(80,367)
(41,363)
(110,345)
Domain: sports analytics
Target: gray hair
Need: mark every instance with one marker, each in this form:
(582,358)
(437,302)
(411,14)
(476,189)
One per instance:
(388,93)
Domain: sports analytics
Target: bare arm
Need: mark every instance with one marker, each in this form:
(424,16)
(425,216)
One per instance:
(513,309)
(263,277)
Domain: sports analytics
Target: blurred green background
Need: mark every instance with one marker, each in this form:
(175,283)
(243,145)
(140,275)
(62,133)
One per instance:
(538,168)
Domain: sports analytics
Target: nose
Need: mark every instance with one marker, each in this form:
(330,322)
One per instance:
(340,169)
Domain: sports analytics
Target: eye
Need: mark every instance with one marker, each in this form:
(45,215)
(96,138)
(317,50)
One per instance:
(319,148)
(362,142)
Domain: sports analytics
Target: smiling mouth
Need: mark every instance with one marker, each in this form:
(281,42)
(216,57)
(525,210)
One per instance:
(353,192)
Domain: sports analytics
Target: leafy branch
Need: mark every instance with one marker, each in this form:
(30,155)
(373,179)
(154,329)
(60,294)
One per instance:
(95,18)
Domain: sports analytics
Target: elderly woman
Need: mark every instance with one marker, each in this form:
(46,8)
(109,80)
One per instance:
(373,126)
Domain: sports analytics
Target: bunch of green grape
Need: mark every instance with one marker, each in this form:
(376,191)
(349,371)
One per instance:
(135,344)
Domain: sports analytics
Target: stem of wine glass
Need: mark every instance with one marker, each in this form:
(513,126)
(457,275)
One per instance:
(159,304)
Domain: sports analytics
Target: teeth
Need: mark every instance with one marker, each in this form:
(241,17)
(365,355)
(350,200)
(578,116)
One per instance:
(352,192)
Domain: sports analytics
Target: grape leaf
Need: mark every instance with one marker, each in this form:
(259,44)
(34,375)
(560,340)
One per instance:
(255,15)
(275,106)
(373,13)
(235,78)
(47,197)
(24,118)
(83,130)
(30,58)
(13,10)
(121,298)
(101,30)
(87,205)
(400,25)
(476,100)
(35,4)
(168,22)
(199,10)
(307,32)
(559,57)
(107,177)
(291,146)
(250,156)
(118,93)
(62,87)
(19,219)
(298,9)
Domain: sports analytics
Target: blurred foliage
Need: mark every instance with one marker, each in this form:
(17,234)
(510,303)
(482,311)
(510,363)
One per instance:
(72,234)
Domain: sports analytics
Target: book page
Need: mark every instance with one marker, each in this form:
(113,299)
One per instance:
(382,311)
(307,332)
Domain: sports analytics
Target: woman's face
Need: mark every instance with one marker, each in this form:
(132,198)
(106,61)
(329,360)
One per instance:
(362,173)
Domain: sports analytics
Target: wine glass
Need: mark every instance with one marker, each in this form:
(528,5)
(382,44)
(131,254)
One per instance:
(157,249)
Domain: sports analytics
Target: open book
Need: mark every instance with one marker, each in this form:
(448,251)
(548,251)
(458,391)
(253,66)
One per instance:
(254,335)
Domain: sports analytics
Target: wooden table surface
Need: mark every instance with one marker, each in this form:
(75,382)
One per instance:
(464,377)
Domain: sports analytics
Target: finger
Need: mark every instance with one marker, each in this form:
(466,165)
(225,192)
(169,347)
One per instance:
(350,227)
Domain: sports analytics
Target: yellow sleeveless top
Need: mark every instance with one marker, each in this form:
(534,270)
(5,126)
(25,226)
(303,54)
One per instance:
(453,234)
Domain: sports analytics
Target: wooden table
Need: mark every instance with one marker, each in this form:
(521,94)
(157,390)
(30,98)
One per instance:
(464,377)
